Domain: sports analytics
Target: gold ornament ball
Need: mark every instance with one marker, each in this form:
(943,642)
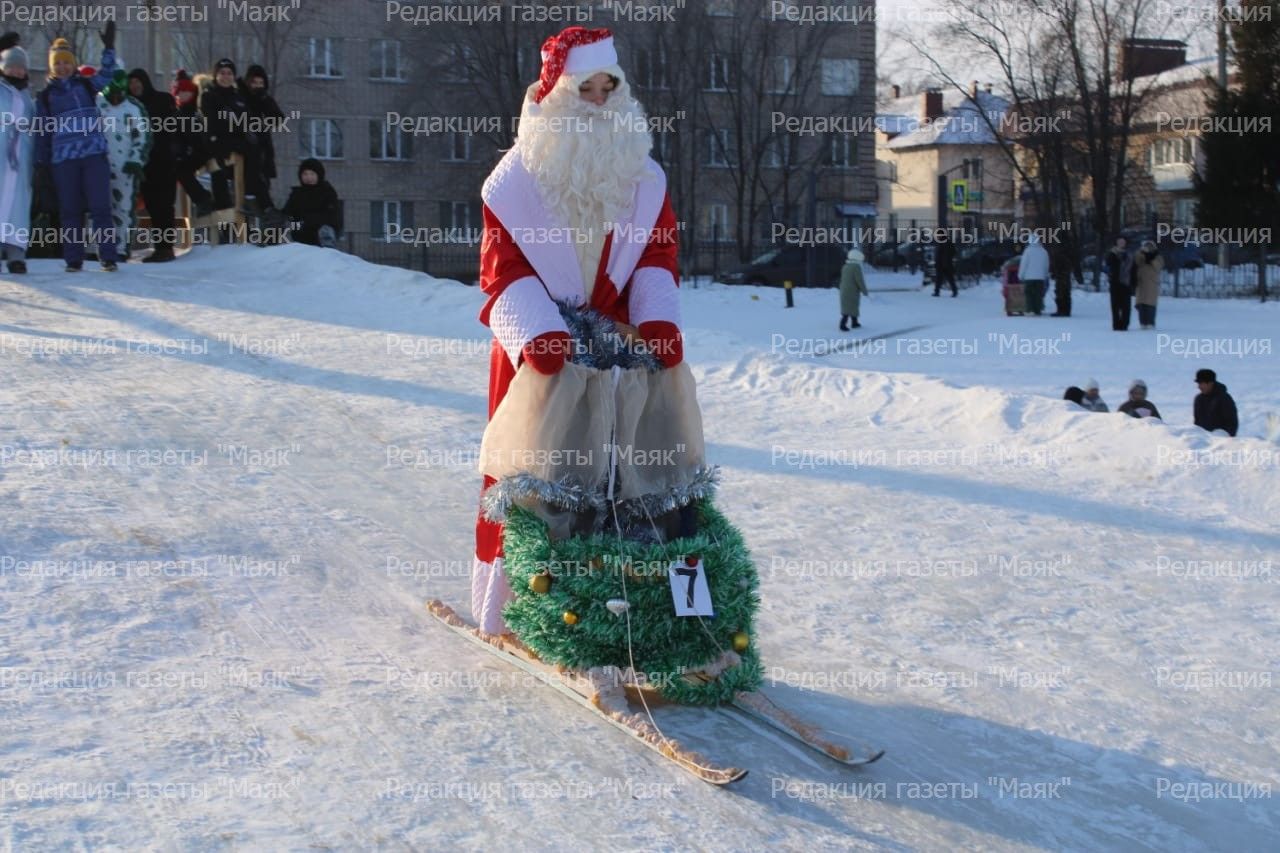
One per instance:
(541,584)
(741,640)
(570,618)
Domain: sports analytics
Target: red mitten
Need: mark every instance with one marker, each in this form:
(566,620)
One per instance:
(547,352)
(664,340)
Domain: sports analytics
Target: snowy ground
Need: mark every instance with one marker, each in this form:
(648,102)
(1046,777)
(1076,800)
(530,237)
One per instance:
(230,483)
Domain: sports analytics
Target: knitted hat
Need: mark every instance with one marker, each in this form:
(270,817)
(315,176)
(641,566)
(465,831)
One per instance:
(14,57)
(313,165)
(60,51)
(855,256)
(1204,374)
(1138,383)
(182,82)
(574,50)
(119,84)
(1091,385)
(223,63)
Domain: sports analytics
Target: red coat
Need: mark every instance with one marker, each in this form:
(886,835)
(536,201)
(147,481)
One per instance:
(524,269)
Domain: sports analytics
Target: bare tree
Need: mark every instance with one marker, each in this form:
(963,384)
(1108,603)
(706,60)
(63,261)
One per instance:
(1072,107)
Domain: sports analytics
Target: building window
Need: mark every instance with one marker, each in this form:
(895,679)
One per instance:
(662,147)
(840,77)
(1184,212)
(386,218)
(714,223)
(324,57)
(721,150)
(461,61)
(387,142)
(459,216)
(459,150)
(718,72)
(650,68)
(777,151)
(321,138)
(781,76)
(842,153)
(1167,152)
(384,60)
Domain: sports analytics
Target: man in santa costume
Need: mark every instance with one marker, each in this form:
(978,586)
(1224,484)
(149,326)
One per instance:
(575,213)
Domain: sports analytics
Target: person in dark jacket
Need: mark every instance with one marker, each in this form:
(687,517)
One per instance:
(1214,408)
(313,207)
(190,147)
(944,265)
(71,148)
(267,114)
(1120,280)
(226,113)
(1138,406)
(159,173)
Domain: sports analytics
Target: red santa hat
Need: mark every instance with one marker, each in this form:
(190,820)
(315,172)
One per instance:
(575,50)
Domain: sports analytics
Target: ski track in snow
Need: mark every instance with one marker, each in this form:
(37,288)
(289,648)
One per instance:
(277,684)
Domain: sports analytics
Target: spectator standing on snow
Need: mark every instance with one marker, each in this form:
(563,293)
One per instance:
(1033,272)
(1092,400)
(944,264)
(159,172)
(190,142)
(17,157)
(70,144)
(1214,408)
(226,114)
(313,207)
(124,124)
(1120,279)
(1147,265)
(1138,406)
(267,115)
(853,285)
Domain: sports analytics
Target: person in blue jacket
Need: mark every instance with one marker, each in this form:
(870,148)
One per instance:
(72,147)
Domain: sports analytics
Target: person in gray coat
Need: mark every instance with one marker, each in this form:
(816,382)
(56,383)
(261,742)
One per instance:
(853,285)
(1092,399)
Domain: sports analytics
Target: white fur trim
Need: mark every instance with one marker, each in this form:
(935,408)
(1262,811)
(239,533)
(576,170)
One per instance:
(630,238)
(521,313)
(490,592)
(653,296)
(512,194)
(590,57)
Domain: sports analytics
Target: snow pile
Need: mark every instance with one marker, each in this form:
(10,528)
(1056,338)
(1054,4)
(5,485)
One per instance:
(231,482)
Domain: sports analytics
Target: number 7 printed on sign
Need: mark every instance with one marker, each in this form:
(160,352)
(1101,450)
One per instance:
(689,591)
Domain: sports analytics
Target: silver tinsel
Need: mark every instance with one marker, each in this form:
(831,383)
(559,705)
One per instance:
(598,344)
(574,497)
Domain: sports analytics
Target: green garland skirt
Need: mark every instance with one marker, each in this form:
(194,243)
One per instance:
(587,571)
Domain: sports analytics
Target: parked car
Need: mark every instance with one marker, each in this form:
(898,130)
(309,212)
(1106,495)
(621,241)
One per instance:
(985,258)
(907,254)
(790,263)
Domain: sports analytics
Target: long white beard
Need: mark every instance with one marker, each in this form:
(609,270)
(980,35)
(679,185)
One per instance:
(586,159)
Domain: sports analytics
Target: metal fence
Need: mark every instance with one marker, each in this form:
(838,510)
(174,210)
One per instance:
(1207,282)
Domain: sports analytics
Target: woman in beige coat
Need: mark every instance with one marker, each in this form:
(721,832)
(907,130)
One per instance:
(1147,264)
